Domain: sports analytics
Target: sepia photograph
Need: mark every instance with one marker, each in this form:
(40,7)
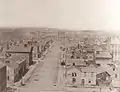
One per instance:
(59,46)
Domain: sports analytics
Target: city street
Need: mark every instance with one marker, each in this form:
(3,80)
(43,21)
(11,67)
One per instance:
(48,76)
(45,75)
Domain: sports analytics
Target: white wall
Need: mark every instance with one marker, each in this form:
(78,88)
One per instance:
(72,14)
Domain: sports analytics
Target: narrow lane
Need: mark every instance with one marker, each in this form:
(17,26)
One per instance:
(45,75)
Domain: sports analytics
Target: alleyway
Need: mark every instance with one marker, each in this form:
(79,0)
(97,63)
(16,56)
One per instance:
(45,75)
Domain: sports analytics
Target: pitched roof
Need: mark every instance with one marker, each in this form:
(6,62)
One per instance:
(19,49)
(108,61)
(87,69)
(72,67)
(103,54)
(76,61)
(97,48)
(92,69)
(109,70)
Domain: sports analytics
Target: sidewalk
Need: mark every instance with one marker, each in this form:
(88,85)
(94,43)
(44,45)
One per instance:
(27,75)
(60,77)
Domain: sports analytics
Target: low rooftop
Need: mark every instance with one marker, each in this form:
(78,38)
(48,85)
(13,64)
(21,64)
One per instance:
(76,61)
(20,49)
(103,54)
(15,60)
(92,69)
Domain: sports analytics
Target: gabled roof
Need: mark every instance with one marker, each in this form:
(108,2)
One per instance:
(103,54)
(76,61)
(109,70)
(87,69)
(92,69)
(97,48)
(20,49)
(108,61)
(72,67)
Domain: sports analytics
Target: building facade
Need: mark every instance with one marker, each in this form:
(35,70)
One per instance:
(86,76)
(115,48)
(27,51)
(3,79)
(16,68)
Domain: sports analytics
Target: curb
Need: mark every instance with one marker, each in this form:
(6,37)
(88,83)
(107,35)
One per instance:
(27,75)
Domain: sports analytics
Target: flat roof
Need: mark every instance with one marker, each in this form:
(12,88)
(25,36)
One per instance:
(92,69)
(103,54)
(19,49)
(76,61)
(15,60)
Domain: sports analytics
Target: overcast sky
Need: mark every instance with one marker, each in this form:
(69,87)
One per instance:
(66,14)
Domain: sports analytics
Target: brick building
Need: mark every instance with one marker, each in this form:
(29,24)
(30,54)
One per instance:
(16,67)
(23,50)
(3,81)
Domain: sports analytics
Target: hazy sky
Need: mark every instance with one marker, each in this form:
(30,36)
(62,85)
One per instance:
(68,14)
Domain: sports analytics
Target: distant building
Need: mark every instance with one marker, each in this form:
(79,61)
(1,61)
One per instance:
(89,59)
(88,48)
(97,48)
(76,62)
(23,50)
(115,48)
(103,57)
(3,80)
(16,67)
(86,76)
(37,53)
(46,45)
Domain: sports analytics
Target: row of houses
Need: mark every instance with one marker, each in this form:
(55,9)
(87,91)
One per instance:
(18,63)
(89,69)
(78,72)
(16,67)
(87,76)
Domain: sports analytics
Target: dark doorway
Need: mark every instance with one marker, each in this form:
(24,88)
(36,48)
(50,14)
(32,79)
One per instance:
(83,81)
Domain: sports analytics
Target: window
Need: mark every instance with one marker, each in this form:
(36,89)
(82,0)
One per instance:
(89,81)
(7,61)
(115,75)
(73,80)
(8,77)
(73,64)
(83,81)
(84,74)
(74,74)
(72,57)
(92,74)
